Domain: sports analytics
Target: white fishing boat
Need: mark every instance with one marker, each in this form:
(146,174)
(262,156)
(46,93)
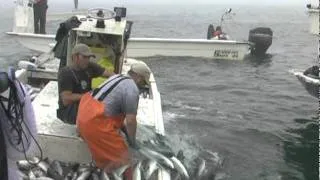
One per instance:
(309,79)
(60,141)
(258,43)
(313,10)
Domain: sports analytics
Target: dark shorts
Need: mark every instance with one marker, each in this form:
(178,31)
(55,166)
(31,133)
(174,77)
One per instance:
(68,114)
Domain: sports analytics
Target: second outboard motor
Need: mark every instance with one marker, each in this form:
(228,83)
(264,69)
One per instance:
(262,39)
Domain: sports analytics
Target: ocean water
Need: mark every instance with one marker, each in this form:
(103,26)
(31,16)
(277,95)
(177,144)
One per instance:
(253,114)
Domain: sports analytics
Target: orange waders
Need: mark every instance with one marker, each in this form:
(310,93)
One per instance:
(101,132)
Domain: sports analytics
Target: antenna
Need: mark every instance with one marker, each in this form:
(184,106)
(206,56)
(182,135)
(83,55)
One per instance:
(228,11)
(75,4)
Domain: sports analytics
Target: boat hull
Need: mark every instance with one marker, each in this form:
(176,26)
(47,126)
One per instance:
(310,84)
(146,47)
(213,49)
(36,42)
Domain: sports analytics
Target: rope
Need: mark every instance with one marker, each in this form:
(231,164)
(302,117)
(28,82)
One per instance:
(16,121)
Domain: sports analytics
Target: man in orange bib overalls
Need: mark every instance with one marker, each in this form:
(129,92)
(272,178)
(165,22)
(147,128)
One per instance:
(102,113)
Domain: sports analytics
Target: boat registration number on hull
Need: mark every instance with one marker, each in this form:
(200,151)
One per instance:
(226,54)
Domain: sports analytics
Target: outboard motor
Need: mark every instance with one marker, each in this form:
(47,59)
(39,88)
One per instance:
(262,39)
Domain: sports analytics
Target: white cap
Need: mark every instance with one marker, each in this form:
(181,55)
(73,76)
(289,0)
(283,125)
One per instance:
(142,69)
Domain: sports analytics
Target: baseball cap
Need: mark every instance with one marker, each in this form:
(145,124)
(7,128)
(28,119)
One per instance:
(142,69)
(83,50)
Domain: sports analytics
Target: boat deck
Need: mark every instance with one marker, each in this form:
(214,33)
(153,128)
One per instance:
(45,105)
(55,136)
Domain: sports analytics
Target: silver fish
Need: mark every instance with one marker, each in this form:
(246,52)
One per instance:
(69,175)
(44,166)
(216,158)
(137,172)
(201,168)
(82,169)
(117,174)
(24,165)
(163,174)
(152,165)
(159,157)
(57,167)
(180,167)
(72,171)
(104,176)
(35,159)
(116,177)
(94,176)
(41,178)
(38,172)
(31,174)
(84,175)
(74,176)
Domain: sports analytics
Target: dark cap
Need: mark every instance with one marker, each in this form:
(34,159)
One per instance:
(83,50)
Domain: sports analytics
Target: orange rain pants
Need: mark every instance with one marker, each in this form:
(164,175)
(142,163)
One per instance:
(102,134)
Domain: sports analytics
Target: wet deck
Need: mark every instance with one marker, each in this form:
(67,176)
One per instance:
(45,105)
(61,141)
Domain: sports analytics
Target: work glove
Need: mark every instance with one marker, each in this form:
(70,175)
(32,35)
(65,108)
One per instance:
(133,144)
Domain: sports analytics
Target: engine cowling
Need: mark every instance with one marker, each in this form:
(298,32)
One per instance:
(261,37)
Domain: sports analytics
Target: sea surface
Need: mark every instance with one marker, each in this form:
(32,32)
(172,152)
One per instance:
(253,114)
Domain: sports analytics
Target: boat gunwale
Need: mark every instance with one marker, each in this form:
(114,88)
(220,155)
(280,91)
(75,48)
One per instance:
(143,39)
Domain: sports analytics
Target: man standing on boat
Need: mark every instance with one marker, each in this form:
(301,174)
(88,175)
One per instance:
(75,80)
(40,12)
(106,111)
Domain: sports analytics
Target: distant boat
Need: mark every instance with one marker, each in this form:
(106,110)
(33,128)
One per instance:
(259,40)
(314,12)
(309,79)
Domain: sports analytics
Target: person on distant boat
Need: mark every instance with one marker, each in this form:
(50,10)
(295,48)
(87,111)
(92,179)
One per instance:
(210,31)
(40,12)
(102,113)
(312,72)
(218,34)
(75,80)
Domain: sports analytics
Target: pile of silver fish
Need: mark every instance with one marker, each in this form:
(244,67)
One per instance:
(146,165)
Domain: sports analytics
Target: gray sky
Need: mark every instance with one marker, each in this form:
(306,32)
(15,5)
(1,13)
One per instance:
(244,2)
